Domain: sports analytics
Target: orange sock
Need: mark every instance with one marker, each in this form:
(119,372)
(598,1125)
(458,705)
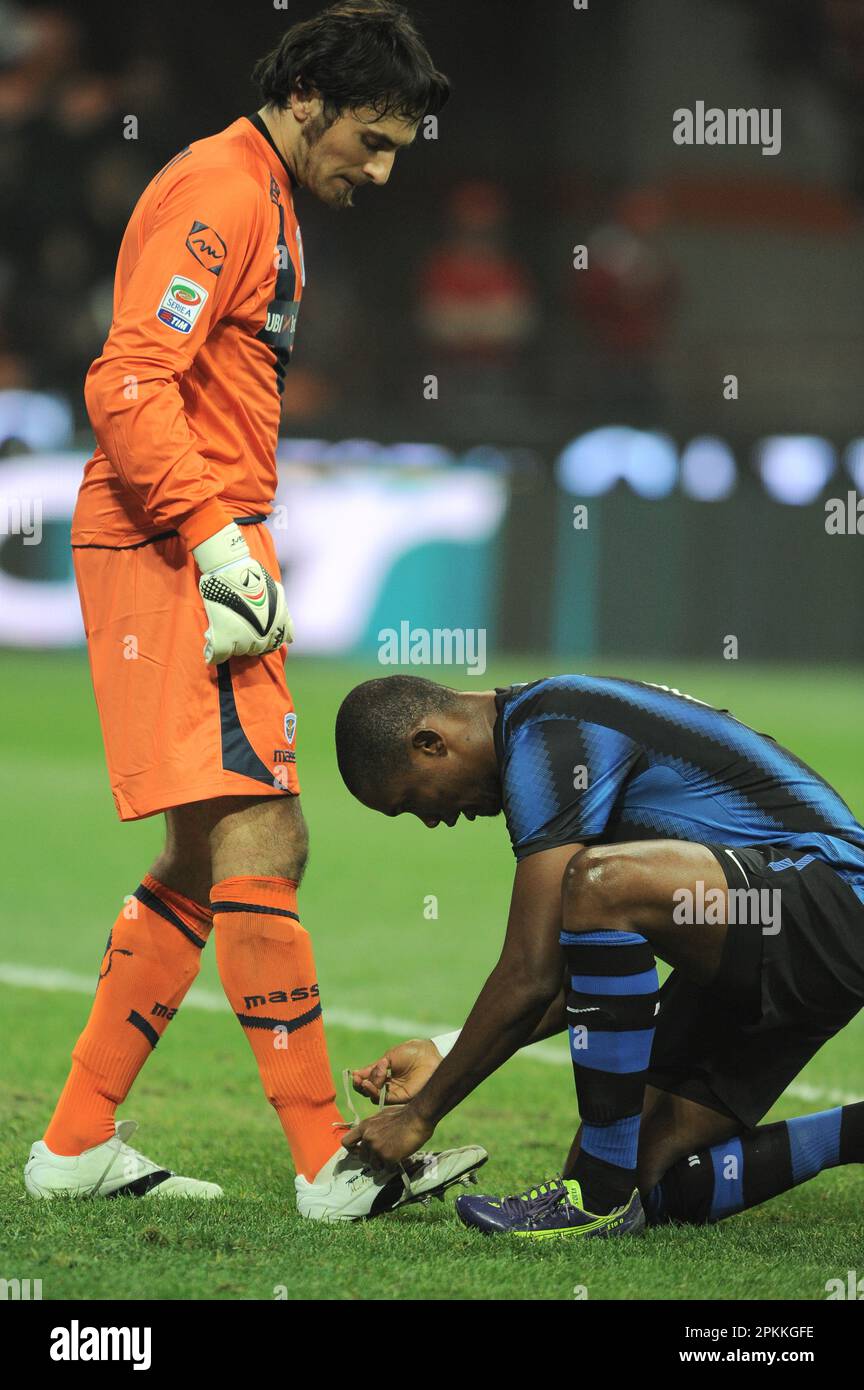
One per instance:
(268,972)
(152,956)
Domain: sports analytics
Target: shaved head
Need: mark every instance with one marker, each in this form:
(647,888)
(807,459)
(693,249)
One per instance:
(374,727)
(405,744)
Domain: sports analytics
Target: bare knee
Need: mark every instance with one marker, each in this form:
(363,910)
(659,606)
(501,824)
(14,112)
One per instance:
(184,864)
(595,888)
(184,875)
(262,838)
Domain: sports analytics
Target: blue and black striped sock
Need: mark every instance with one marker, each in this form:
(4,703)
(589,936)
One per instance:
(760,1164)
(610,1008)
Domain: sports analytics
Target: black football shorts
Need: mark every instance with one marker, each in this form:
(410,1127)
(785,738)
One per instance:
(735,1045)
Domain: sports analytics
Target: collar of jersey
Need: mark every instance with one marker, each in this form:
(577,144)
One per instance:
(261,128)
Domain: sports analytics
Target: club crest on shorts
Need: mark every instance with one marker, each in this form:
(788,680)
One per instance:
(290,727)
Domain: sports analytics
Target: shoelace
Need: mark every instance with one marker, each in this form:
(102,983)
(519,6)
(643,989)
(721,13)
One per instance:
(355,1119)
(538,1201)
(547,1185)
(349,1101)
(123,1152)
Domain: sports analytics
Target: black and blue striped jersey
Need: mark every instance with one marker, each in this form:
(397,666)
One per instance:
(598,760)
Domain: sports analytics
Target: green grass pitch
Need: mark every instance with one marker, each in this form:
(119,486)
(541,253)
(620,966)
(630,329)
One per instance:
(200,1106)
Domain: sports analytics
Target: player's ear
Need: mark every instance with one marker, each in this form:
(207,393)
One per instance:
(305,103)
(429,742)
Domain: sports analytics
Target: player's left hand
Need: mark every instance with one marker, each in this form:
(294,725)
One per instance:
(383,1140)
(405,1068)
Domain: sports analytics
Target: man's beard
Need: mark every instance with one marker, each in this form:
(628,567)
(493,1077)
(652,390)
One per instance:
(312,130)
(311,134)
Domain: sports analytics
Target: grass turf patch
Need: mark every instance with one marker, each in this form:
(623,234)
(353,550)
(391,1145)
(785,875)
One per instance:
(199,1100)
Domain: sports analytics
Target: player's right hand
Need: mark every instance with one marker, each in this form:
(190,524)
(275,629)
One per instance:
(410,1065)
(245,605)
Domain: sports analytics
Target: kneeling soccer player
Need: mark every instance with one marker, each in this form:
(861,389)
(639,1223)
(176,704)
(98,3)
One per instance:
(645,823)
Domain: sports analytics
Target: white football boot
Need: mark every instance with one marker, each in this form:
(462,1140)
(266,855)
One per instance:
(346,1189)
(111,1169)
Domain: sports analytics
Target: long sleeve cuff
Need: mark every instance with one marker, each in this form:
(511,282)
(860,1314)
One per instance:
(204,522)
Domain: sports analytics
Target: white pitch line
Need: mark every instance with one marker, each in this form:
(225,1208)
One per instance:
(355,1021)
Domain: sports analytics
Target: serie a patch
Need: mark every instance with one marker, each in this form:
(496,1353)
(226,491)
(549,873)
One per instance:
(181,303)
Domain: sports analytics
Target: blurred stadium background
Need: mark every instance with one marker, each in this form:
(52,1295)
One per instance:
(556,388)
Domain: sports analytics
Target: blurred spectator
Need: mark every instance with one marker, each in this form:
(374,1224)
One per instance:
(333,360)
(476,301)
(477,308)
(52,314)
(72,179)
(626,300)
(71,125)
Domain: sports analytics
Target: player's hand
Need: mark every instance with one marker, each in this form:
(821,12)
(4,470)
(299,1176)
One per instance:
(245,605)
(383,1140)
(410,1065)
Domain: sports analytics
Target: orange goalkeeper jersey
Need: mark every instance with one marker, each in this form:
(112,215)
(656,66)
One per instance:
(185,398)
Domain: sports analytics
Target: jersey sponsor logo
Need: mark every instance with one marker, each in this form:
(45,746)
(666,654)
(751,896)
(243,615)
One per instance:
(163,1011)
(181,303)
(281,996)
(290,725)
(206,246)
(280,324)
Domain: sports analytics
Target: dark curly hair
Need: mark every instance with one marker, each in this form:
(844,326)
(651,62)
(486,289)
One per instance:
(365,53)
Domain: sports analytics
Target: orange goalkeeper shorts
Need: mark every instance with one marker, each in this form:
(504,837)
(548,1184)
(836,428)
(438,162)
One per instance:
(174,729)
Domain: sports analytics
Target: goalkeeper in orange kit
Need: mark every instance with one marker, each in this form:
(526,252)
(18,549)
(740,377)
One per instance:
(171,557)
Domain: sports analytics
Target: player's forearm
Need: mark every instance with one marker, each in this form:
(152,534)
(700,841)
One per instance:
(506,1016)
(554,1021)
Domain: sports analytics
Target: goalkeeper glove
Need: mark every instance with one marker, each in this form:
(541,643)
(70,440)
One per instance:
(245,606)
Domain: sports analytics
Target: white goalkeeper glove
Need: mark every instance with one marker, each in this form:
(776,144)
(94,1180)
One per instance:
(245,606)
